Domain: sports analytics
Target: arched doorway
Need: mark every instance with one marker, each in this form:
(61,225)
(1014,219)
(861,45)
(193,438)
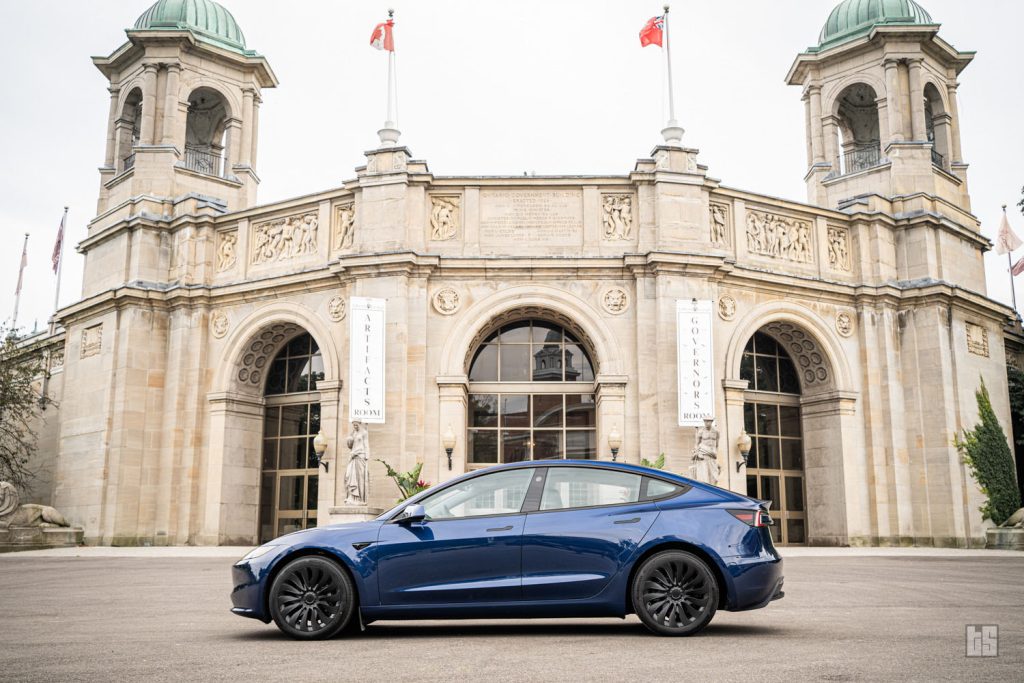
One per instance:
(532,395)
(289,474)
(772,418)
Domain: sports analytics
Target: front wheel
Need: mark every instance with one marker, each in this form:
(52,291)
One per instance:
(675,593)
(311,598)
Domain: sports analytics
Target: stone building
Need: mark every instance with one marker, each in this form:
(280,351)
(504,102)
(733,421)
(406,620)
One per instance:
(525,316)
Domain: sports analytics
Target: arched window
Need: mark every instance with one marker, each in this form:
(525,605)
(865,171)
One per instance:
(289,473)
(859,136)
(531,396)
(771,415)
(206,132)
(129,130)
(937,125)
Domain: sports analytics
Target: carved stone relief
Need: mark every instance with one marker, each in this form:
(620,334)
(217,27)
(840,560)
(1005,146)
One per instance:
(344,225)
(844,324)
(219,324)
(812,364)
(261,350)
(977,339)
(726,307)
(617,216)
(180,265)
(446,301)
(227,245)
(57,357)
(398,162)
(444,217)
(839,249)
(285,238)
(779,237)
(720,232)
(92,340)
(615,300)
(336,309)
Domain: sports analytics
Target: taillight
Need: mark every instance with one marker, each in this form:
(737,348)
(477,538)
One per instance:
(752,517)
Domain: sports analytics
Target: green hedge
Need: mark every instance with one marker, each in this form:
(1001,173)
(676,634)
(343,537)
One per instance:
(987,455)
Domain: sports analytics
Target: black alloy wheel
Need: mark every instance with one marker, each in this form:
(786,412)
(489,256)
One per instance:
(312,598)
(675,593)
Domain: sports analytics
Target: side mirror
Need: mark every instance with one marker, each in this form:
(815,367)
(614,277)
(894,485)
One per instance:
(412,513)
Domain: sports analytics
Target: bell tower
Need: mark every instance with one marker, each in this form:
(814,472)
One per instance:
(182,131)
(881,106)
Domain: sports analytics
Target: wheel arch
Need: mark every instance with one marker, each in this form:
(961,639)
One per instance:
(312,551)
(725,588)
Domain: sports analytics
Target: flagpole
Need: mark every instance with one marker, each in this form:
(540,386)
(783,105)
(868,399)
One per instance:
(389,134)
(672,132)
(21,275)
(1009,261)
(390,120)
(60,269)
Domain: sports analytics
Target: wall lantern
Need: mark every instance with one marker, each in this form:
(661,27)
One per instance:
(743,444)
(320,447)
(614,442)
(448,441)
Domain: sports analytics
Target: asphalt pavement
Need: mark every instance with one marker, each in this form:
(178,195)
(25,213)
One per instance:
(162,615)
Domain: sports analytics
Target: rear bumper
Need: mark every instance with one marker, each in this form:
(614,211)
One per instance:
(757,582)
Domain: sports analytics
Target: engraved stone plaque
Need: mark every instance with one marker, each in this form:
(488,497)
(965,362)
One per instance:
(517,217)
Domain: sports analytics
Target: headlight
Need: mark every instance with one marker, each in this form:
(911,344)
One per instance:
(258,552)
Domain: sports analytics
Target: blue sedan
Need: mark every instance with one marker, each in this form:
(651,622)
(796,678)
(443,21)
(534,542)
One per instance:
(561,538)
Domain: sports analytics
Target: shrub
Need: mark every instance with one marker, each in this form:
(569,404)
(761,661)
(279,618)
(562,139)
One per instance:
(409,483)
(658,463)
(986,453)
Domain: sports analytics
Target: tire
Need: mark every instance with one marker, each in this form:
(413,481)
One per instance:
(675,593)
(312,598)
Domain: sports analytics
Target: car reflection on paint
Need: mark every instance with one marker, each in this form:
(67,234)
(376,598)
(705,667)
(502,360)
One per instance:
(565,538)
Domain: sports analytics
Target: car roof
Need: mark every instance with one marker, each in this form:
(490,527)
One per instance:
(622,466)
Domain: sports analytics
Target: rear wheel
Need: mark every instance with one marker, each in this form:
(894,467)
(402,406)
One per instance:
(312,598)
(675,593)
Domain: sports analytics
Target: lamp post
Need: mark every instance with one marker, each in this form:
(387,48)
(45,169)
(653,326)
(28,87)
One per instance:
(448,441)
(743,444)
(614,442)
(320,447)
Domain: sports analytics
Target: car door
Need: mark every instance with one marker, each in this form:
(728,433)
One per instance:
(468,549)
(588,524)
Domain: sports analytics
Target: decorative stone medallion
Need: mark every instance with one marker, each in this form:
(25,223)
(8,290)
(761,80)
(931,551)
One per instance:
(219,324)
(336,309)
(844,324)
(977,340)
(726,307)
(446,301)
(615,300)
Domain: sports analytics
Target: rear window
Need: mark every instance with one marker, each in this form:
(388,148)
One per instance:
(656,489)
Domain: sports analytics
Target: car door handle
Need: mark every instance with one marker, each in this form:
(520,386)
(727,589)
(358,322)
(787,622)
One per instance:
(632,520)
(501,528)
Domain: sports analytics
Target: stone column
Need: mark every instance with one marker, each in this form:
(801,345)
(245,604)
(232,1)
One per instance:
(146,134)
(729,430)
(954,125)
(335,457)
(892,100)
(230,513)
(917,127)
(171,105)
(233,147)
(817,141)
(245,151)
(611,413)
(109,160)
(830,132)
(453,393)
(255,130)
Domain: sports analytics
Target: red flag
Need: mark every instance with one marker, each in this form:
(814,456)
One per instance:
(59,246)
(650,34)
(1018,267)
(382,37)
(21,271)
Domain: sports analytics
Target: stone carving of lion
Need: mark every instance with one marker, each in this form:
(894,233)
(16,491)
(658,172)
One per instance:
(12,513)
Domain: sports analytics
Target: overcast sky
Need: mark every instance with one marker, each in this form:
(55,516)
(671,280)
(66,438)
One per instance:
(544,86)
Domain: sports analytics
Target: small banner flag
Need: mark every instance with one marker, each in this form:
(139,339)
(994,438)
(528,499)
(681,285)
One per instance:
(382,37)
(1018,267)
(58,246)
(650,34)
(1007,239)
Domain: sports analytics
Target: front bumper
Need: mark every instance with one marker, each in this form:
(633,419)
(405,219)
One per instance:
(247,594)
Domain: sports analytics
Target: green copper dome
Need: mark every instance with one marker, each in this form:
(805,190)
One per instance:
(205,18)
(854,18)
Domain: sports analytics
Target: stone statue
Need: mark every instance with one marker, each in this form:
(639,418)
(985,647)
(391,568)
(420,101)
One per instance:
(1015,521)
(705,454)
(12,513)
(356,474)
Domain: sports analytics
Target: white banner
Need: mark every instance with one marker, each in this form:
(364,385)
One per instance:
(366,360)
(695,360)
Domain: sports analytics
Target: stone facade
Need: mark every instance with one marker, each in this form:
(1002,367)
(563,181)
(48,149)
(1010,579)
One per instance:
(876,293)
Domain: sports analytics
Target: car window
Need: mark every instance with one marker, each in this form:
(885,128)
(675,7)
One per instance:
(577,487)
(499,493)
(656,488)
